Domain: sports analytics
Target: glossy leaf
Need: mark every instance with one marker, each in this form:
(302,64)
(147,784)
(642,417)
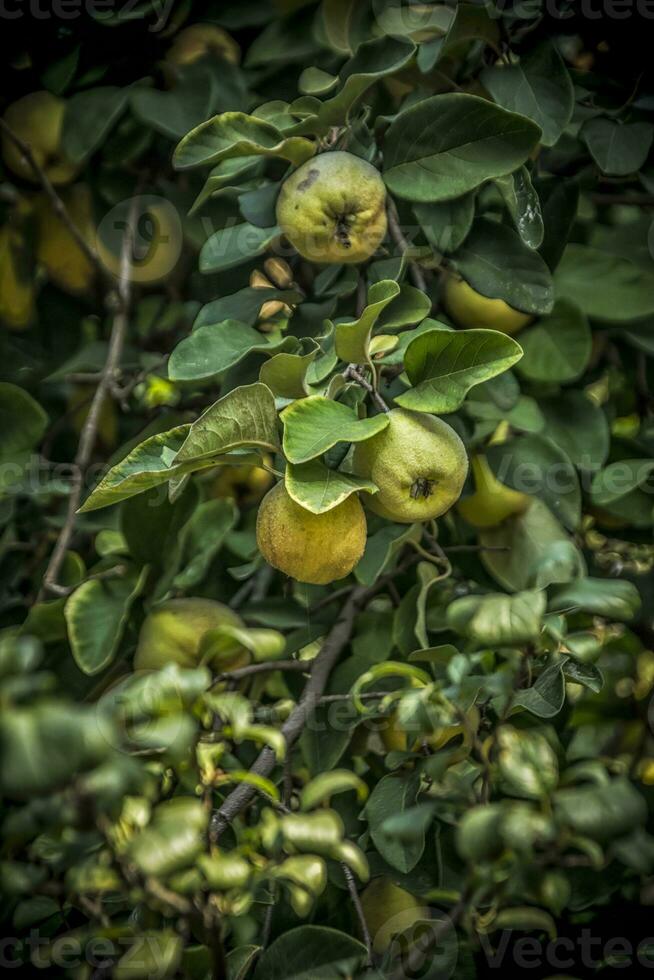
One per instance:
(449,144)
(318,489)
(315,424)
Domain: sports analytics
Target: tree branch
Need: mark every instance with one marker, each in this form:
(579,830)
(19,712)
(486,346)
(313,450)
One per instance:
(89,431)
(396,234)
(352,371)
(240,672)
(292,728)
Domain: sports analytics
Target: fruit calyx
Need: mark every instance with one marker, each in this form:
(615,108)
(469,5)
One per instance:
(423,486)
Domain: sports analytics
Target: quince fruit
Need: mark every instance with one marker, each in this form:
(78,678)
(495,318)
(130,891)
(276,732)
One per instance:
(17,294)
(389,910)
(333,208)
(173,632)
(419,464)
(56,249)
(468,308)
(245,484)
(313,548)
(492,502)
(37,119)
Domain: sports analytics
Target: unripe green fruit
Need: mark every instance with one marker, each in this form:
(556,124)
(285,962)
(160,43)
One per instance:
(173,632)
(419,464)
(389,910)
(333,208)
(313,548)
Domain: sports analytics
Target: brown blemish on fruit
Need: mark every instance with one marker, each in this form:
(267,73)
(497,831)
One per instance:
(310,179)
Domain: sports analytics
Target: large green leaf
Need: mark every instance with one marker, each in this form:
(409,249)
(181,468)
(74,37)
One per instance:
(618,148)
(235,134)
(88,119)
(605,286)
(558,347)
(235,245)
(443,366)
(449,144)
(498,620)
(213,349)
(496,263)
(147,465)
(318,489)
(601,812)
(201,539)
(546,696)
(598,597)
(96,614)
(310,953)
(538,87)
(315,424)
(373,60)
(245,416)
(587,441)
(530,550)
(243,305)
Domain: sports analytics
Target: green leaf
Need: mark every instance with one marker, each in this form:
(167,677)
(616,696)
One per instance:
(150,463)
(527,762)
(539,88)
(213,349)
(498,620)
(587,442)
(233,246)
(447,223)
(245,416)
(495,262)
(173,839)
(327,784)
(558,347)
(96,614)
(243,306)
(544,698)
(609,598)
(523,205)
(201,539)
(530,550)
(617,148)
(601,812)
(89,118)
(373,60)
(410,306)
(382,547)
(449,144)
(392,796)
(286,374)
(351,340)
(23,421)
(235,134)
(315,424)
(310,953)
(606,287)
(319,489)
(443,366)
(534,465)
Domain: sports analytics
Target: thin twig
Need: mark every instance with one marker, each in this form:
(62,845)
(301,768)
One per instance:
(89,431)
(352,371)
(58,205)
(240,672)
(398,237)
(292,728)
(358,908)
